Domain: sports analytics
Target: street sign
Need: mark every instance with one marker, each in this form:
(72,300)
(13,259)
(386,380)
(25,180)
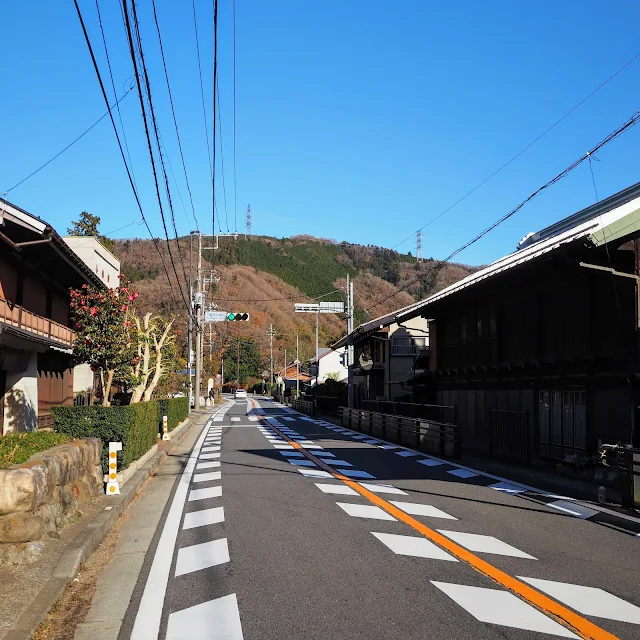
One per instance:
(332,307)
(323,307)
(215,316)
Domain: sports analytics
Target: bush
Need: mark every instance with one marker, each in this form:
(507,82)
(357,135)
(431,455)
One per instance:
(16,448)
(135,425)
(176,410)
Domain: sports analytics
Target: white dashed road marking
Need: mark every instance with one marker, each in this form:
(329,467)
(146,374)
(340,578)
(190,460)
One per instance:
(203,517)
(502,608)
(341,489)
(484,544)
(365,511)
(217,619)
(463,473)
(383,488)
(203,494)
(206,477)
(202,556)
(413,546)
(415,509)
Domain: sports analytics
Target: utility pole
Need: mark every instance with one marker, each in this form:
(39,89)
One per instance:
(317,349)
(271,333)
(190,325)
(199,300)
(297,366)
(238,362)
(350,341)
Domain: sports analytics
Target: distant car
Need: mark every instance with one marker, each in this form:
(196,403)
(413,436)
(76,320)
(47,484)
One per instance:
(241,393)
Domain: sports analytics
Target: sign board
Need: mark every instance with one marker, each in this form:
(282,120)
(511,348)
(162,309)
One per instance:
(215,316)
(323,307)
(332,307)
(218,378)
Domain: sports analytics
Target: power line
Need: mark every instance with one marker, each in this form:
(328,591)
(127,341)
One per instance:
(115,129)
(224,187)
(235,191)
(204,110)
(506,164)
(146,128)
(113,86)
(587,156)
(48,162)
(299,297)
(215,93)
(173,112)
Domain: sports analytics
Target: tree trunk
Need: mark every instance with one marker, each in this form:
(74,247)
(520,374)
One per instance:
(142,372)
(158,344)
(106,390)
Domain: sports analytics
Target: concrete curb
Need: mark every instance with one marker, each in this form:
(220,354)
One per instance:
(79,550)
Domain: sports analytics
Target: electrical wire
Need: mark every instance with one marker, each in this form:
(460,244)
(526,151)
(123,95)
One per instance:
(215,128)
(100,119)
(147,134)
(115,129)
(506,164)
(298,297)
(235,190)
(173,112)
(612,136)
(224,187)
(113,87)
(204,109)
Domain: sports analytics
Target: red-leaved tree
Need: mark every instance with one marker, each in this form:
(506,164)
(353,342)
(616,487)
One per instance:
(102,326)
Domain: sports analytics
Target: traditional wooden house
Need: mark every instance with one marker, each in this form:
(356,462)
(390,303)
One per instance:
(37,269)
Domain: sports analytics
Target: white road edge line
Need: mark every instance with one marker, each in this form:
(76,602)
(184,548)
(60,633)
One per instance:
(147,622)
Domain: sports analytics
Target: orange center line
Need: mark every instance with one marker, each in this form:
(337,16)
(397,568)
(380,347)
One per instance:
(579,625)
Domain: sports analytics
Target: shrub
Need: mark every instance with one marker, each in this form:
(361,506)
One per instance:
(135,425)
(16,448)
(176,410)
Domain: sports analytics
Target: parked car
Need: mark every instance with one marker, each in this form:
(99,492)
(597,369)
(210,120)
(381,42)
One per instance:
(241,393)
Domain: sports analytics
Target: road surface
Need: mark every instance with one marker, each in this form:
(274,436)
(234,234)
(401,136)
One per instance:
(282,526)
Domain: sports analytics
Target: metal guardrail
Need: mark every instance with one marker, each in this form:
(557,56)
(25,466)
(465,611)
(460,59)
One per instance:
(303,406)
(509,436)
(17,316)
(439,413)
(427,435)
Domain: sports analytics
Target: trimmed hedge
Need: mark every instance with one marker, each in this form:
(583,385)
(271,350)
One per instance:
(16,448)
(176,410)
(135,425)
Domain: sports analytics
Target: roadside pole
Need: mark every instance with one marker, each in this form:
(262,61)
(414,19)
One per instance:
(199,298)
(297,367)
(271,332)
(190,326)
(317,349)
(350,342)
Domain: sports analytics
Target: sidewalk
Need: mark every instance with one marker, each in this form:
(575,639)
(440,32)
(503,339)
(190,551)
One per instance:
(27,592)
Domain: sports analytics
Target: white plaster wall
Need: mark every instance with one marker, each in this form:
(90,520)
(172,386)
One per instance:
(21,399)
(330,363)
(82,378)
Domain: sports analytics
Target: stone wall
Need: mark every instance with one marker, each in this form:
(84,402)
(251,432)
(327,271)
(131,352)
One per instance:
(39,497)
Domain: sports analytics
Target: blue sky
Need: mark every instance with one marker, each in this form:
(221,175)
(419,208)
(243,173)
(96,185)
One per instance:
(357,120)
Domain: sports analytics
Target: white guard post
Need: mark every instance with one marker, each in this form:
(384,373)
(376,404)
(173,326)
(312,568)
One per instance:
(165,429)
(113,486)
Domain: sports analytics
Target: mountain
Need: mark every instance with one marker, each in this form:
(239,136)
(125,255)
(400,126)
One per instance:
(264,276)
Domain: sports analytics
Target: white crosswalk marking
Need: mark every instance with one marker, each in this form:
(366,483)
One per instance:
(365,511)
(292,454)
(502,608)
(341,489)
(204,494)
(202,556)
(428,510)
(588,600)
(383,488)
(485,544)
(207,465)
(203,517)
(430,462)
(413,546)
(324,454)
(217,619)
(206,477)
(302,463)
(314,473)
(463,473)
(354,473)
(405,454)
(338,463)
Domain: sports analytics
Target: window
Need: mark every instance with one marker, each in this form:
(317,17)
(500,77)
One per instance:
(108,277)
(103,273)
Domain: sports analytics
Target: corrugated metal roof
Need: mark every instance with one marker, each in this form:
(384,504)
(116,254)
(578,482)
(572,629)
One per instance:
(610,219)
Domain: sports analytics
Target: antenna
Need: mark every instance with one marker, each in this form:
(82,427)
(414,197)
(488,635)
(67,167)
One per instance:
(248,233)
(419,246)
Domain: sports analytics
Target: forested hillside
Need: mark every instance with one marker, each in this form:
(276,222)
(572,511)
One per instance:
(265,276)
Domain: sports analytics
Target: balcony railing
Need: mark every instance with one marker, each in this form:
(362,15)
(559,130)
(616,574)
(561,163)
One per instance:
(17,316)
(405,350)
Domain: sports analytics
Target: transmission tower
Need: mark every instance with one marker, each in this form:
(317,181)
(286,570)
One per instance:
(248,234)
(419,246)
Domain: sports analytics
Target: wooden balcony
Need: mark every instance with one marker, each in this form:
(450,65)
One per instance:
(18,317)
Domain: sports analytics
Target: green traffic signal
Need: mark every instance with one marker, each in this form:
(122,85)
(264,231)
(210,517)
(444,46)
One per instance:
(237,316)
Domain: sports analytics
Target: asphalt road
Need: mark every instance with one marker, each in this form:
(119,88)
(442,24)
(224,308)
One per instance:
(281,526)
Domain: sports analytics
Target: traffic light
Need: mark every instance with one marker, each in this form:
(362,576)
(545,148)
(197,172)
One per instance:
(343,359)
(237,316)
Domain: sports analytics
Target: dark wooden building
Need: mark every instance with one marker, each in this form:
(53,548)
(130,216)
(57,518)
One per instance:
(539,350)
(37,269)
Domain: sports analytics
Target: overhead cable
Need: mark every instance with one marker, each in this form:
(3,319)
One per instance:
(506,164)
(612,136)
